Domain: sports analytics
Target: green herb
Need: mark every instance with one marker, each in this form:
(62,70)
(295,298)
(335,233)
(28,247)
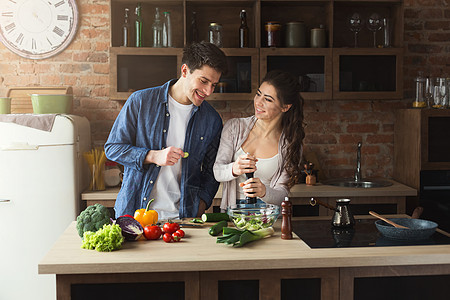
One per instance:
(238,238)
(106,239)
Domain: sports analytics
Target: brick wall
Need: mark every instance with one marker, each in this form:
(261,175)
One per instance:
(333,128)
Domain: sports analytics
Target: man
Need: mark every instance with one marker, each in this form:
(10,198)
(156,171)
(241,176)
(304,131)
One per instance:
(157,126)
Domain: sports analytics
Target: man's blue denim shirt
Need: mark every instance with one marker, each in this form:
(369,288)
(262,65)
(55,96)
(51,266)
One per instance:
(142,126)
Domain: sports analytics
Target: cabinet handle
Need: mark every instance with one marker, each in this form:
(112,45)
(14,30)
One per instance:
(4,200)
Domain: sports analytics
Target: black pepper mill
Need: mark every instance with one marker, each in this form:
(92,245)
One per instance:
(250,200)
(286,224)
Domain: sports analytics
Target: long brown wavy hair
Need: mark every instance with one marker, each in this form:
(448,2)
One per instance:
(288,91)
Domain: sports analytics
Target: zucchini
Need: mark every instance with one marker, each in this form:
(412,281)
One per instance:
(215,217)
(217,228)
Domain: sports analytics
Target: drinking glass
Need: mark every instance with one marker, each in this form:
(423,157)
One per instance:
(443,90)
(374,23)
(436,97)
(429,90)
(448,91)
(355,23)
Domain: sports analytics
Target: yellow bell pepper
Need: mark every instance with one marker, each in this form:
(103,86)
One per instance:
(146,216)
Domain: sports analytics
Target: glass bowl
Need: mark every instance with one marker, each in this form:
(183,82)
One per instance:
(258,216)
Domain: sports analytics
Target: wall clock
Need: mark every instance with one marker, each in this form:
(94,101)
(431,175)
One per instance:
(37,29)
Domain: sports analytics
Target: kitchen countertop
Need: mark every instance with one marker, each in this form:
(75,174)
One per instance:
(199,252)
(297,191)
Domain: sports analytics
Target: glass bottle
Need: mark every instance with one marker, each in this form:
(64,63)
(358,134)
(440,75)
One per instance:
(167,30)
(194,30)
(386,33)
(139,26)
(157,31)
(126,29)
(243,30)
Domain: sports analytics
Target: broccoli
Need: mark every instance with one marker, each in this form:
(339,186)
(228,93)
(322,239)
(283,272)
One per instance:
(92,219)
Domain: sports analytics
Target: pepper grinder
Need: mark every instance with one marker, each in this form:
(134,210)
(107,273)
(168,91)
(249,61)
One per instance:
(250,200)
(286,225)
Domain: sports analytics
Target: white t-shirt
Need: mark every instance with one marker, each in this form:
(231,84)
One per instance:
(166,190)
(265,169)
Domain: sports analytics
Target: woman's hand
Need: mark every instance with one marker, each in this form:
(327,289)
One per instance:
(244,164)
(253,187)
(166,157)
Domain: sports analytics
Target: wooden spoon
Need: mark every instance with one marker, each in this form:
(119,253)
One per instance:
(386,220)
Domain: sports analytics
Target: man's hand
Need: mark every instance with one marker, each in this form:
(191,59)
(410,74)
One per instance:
(166,157)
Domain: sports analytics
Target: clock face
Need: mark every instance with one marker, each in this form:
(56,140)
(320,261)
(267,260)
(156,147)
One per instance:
(37,29)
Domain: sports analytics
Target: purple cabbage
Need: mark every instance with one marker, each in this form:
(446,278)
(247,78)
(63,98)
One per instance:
(131,229)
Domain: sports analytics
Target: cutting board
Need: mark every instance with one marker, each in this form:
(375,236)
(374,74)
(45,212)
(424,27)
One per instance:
(21,99)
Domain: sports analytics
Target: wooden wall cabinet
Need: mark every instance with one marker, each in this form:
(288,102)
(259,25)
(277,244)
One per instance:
(339,71)
(316,64)
(367,73)
(413,143)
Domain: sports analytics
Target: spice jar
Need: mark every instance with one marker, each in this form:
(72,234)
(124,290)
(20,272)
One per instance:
(295,35)
(318,37)
(215,34)
(111,175)
(222,87)
(273,34)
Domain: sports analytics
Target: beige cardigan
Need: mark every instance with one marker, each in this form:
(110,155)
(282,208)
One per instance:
(234,134)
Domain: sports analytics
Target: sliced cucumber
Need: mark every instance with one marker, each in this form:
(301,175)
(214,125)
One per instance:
(215,217)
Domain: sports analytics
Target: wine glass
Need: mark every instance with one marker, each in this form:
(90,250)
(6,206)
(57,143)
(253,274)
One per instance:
(355,23)
(429,90)
(374,23)
(436,96)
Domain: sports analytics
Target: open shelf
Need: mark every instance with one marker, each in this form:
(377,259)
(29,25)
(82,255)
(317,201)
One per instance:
(339,71)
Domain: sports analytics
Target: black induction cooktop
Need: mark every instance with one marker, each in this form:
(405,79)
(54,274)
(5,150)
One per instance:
(321,234)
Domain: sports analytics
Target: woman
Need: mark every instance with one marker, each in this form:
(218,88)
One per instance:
(268,143)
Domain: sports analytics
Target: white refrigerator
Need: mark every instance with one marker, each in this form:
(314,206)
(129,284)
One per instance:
(42,175)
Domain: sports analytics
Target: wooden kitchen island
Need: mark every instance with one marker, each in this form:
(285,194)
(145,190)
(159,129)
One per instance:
(199,268)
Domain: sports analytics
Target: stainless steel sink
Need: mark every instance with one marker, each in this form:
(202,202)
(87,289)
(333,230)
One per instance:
(362,183)
(358,181)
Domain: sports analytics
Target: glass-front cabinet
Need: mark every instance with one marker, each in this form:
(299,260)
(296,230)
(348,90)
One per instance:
(339,49)
(312,66)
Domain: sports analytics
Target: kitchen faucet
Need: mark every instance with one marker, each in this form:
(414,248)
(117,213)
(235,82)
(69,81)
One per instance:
(358,175)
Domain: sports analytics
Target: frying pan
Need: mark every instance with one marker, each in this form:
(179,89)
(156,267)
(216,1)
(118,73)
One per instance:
(418,229)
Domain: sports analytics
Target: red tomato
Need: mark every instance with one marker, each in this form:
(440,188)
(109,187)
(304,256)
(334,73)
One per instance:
(152,232)
(167,237)
(176,236)
(180,232)
(170,227)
